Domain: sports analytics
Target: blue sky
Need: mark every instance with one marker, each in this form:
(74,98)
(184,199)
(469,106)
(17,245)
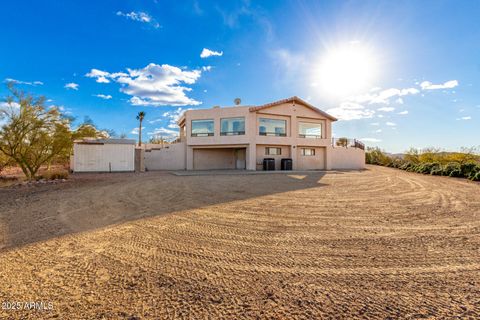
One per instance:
(415,79)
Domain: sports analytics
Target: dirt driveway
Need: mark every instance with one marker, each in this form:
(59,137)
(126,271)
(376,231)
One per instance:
(381,243)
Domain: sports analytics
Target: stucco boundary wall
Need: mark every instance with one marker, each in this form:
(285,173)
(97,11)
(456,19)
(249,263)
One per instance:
(344,158)
(170,157)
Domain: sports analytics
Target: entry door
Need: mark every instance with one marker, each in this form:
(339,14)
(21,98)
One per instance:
(240,159)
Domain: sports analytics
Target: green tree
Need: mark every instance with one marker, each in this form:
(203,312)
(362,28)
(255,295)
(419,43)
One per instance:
(33,135)
(342,142)
(4,161)
(140,117)
(377,156)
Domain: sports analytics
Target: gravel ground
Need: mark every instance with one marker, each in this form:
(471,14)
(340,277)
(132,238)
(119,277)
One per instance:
(376,244)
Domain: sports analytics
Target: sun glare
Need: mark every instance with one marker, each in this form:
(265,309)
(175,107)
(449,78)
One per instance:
(347,70)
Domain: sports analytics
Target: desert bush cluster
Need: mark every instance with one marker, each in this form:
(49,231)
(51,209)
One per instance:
(53,175)
(465,164)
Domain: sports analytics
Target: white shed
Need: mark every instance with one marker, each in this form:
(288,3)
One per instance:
(103,155)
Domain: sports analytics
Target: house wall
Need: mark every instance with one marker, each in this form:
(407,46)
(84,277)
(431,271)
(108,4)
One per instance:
(170,157)
(316,162)
(290,112)
(103,157)
(255,143)
(260,152)
(347,158)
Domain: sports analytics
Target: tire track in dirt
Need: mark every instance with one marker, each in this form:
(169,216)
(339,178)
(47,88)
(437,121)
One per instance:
(374,244)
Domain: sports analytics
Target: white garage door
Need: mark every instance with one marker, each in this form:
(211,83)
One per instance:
(104,157)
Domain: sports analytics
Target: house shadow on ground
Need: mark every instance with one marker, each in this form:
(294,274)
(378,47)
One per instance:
(90,201)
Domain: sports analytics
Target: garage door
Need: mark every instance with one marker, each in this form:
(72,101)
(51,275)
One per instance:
(311,158)
(213,159)
(104,157)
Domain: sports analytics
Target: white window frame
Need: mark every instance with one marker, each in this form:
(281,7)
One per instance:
(312,152)
(278,151)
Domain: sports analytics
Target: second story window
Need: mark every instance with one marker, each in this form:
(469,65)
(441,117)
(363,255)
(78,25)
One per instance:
(272,127)
(202,128)
(232,126)
(309,130)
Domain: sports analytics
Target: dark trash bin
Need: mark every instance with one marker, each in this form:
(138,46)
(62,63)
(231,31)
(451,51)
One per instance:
(268,164)
(286,164)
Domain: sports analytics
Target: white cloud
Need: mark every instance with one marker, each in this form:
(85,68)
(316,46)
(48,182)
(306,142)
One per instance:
(136,130)
(370,140)
(71,85)
(103,96)
(164,132)
(384,96)
(100,75)
(209,53)
(29,83)
(404,112)
(390,124)
(351,111)
(171,117)
(175,114)
(206,68)
(154,85)
(8,105)
(465,118)
(355,107)
(386,109)
(141,17)
(374,124)
(427,85)
(156,120)
(378,130)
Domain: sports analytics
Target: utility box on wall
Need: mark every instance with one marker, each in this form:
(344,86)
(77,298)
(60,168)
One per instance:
(103,155)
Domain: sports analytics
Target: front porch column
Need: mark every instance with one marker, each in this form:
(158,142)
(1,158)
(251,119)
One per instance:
(293,155)
(251,157)
(189,158)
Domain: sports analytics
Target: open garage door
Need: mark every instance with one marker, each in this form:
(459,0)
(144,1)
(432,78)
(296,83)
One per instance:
(214,159)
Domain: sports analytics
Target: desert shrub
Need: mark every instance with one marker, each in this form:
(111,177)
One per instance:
(53,175)
(342,142)
(470,168)
(452,169)
(377,156)
(412,155)
(427,168)
(406,166)
(475,177)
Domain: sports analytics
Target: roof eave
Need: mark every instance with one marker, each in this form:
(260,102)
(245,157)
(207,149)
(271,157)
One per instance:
(293,99)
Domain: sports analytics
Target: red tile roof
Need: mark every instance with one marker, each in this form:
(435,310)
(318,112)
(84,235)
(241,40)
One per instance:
(293,99)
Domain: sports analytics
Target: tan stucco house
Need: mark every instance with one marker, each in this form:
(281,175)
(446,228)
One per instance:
(241,137)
